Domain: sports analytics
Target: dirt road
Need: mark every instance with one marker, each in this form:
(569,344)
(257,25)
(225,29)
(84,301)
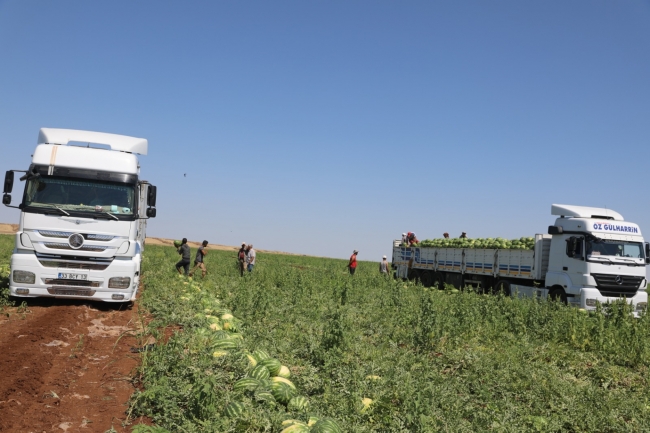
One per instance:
(66,366)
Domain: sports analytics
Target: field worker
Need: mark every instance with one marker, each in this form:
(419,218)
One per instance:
(353,262)
(463,235)
(241,257)
(198,260)
(404,239)
(384,266)
(250,258)
(412,239)
(184,251)
(445,235)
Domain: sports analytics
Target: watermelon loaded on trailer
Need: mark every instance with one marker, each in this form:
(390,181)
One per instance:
(589,256)
(83,216)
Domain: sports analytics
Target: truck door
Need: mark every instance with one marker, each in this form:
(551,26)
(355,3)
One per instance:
(574,262)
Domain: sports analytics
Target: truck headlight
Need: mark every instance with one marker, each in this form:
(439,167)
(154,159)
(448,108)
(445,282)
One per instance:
(640,306)
(590,302)
(24,277)
(119,283)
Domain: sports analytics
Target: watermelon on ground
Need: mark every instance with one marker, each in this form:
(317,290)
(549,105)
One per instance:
(260,372)
(234,410)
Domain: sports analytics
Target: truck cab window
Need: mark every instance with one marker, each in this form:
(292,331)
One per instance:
(80,195)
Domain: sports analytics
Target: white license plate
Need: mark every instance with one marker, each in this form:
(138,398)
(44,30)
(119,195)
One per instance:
(66,276)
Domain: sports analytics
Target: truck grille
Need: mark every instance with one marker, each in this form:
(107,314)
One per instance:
(87,236)
(617,285)
(72,262)
(95,248)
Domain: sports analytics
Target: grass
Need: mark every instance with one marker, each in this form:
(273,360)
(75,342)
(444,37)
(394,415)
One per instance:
(445,361)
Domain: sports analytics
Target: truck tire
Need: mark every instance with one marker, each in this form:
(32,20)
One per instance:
(502,286)
(427,278)
(414,275)
(439,281)
(558,294)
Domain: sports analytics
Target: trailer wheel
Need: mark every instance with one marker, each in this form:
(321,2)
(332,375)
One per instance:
(414,275)
(426,278)
(558,294)
(502,286)
(439,281)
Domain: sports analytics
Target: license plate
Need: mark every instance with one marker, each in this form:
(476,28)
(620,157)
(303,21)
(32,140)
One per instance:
(66,276)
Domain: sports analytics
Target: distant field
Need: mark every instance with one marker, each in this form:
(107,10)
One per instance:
(379,355)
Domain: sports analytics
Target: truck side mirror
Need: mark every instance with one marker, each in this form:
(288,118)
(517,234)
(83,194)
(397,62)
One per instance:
(571,246)
(9,182)
(647,252)
(555,230)
(151,212)
(6,199)
(151,196)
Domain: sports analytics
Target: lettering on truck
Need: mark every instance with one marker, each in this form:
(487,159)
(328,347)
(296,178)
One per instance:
(615,228)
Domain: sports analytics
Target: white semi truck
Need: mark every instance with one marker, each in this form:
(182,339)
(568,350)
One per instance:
(83,217)
(589,256)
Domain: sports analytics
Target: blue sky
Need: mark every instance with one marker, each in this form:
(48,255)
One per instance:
(323,126)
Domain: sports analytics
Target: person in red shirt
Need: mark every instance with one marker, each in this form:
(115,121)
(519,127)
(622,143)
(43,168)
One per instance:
(353,262)
(412,239)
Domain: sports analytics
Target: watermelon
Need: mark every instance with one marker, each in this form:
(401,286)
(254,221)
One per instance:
(259,372)
(277,380)
(246,384)
(298,403)
(365,405)
(312,420)
(251,360)
(234,410)
(264,396)
(226,316)
(284,372)
(326,425)
(178,243)
(282,392)
(260,355)
(272,364)
(219,353)
(288,422)
(225,344)
(230,326)
(296,428)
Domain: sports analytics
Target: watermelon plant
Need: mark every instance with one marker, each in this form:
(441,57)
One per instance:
(368,354)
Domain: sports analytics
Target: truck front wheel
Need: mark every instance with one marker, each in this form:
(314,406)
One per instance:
(558,294)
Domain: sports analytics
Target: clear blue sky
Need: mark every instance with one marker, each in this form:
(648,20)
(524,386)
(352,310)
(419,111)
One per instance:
(318,127)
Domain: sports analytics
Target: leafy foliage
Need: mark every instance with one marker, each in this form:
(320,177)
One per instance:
(376,354)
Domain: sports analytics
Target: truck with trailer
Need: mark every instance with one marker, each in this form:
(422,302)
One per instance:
(589,256)
(83,217)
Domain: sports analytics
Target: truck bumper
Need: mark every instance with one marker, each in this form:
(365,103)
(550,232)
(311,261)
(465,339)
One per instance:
(92,285)
(589,297)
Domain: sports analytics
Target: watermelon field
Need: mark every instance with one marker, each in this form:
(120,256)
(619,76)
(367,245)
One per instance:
(301,346)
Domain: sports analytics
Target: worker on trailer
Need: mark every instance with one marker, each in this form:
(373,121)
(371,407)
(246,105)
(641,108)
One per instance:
(463,235)
(412,239)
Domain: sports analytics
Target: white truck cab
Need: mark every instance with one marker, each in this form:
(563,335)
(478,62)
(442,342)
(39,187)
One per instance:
(596,256)
(83,217)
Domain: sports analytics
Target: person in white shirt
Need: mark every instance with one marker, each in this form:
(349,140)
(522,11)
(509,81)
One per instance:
(384,266)
(250,258)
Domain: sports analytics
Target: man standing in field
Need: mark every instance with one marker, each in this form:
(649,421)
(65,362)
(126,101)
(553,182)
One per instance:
(384,266)
(353,262)
(241,257)
(250,257)
(198,260)
(184,251)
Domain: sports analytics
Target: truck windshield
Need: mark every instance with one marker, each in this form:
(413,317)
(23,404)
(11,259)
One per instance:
(80,195)
(616,248)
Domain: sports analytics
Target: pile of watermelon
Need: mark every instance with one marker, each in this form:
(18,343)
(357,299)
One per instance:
(266,380)
(523,243)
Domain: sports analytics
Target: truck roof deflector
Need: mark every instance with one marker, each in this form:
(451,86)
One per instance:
(122,143)
(585,212)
